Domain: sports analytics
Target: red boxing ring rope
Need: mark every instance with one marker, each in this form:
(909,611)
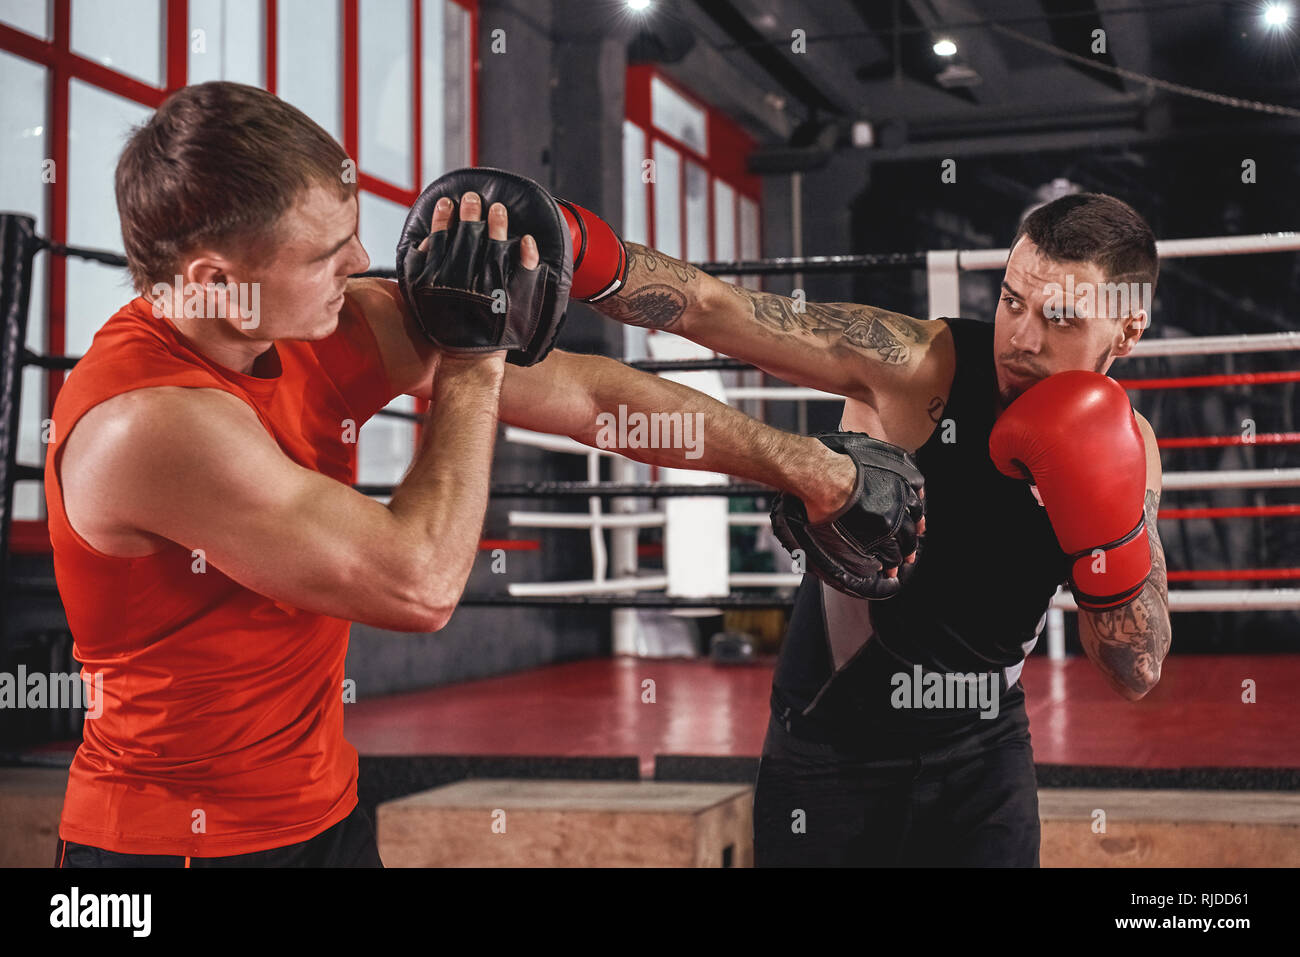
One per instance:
(1234,574)
(1198,381)
(1237,511)
(1219,441)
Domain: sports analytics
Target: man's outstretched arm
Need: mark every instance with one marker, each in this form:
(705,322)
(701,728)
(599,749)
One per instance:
(567,394)
(844,348)
(743,324)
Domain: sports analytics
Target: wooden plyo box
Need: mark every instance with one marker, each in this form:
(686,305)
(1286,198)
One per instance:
(514,823)
(1158,828)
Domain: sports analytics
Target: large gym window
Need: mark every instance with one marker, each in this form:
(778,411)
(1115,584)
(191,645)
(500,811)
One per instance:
(686,189)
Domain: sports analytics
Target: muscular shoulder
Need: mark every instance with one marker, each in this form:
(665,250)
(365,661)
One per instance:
(139,429)
(124,451)
(904,362)
(924,379)
(905,409)
(149,415)
(919,354)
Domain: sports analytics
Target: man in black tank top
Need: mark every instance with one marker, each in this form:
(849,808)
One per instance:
(898,733)
(834,695)
(949,618)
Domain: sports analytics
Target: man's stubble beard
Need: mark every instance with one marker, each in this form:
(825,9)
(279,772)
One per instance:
(1100,365)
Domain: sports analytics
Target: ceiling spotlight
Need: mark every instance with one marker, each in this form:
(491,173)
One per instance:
(1277,14)
(945,47)
(638,5)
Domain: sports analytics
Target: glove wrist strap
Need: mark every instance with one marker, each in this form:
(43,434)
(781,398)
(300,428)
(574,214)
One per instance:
(1126,570)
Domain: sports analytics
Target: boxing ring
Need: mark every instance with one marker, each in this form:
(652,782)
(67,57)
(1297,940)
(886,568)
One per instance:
(587,719)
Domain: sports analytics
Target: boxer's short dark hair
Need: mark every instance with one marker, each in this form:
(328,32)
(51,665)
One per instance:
(1098,229)
(217,164)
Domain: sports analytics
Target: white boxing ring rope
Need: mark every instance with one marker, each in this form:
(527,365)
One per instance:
(943,267)
(975,259)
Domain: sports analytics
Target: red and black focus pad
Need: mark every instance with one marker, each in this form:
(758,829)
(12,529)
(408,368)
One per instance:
(470,293)
(853,549)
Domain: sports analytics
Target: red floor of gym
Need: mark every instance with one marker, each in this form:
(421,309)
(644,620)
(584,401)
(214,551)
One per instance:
(1195,717)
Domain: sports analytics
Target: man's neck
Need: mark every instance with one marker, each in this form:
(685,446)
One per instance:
(215,341)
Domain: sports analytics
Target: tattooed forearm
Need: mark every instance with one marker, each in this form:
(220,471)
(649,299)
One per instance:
(652,305)
(888,337)
(821,345)
(658,291)
(1130,643)
(643,259)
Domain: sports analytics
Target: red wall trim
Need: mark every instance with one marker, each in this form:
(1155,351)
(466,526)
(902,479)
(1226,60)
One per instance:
(389,191)
(272,41)
(351,79)
(176,38)
(417,96)
(57,56)
(56,291)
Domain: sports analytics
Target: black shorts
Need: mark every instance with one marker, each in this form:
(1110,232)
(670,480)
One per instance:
(349,843)
(970,802)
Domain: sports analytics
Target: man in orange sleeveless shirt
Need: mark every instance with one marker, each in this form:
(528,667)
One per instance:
(208,547)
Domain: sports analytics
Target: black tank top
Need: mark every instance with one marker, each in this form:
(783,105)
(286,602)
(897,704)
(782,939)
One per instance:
(975,603)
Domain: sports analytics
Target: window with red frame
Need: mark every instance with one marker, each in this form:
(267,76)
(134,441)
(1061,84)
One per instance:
(701,204)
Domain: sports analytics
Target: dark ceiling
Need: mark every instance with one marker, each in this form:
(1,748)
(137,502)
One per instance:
(1005,90)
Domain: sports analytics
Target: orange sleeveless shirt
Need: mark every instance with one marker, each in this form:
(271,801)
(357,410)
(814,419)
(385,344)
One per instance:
(221,729)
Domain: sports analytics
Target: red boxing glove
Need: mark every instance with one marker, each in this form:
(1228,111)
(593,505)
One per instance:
(1074,434)
(599,259)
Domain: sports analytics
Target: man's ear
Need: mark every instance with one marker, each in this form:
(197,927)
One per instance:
(1131,329)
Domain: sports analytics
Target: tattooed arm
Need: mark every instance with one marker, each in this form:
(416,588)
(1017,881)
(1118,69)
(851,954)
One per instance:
(1129,643)
(850,350)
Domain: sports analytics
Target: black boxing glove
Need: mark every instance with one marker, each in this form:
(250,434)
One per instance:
(853,549)
(470,293)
